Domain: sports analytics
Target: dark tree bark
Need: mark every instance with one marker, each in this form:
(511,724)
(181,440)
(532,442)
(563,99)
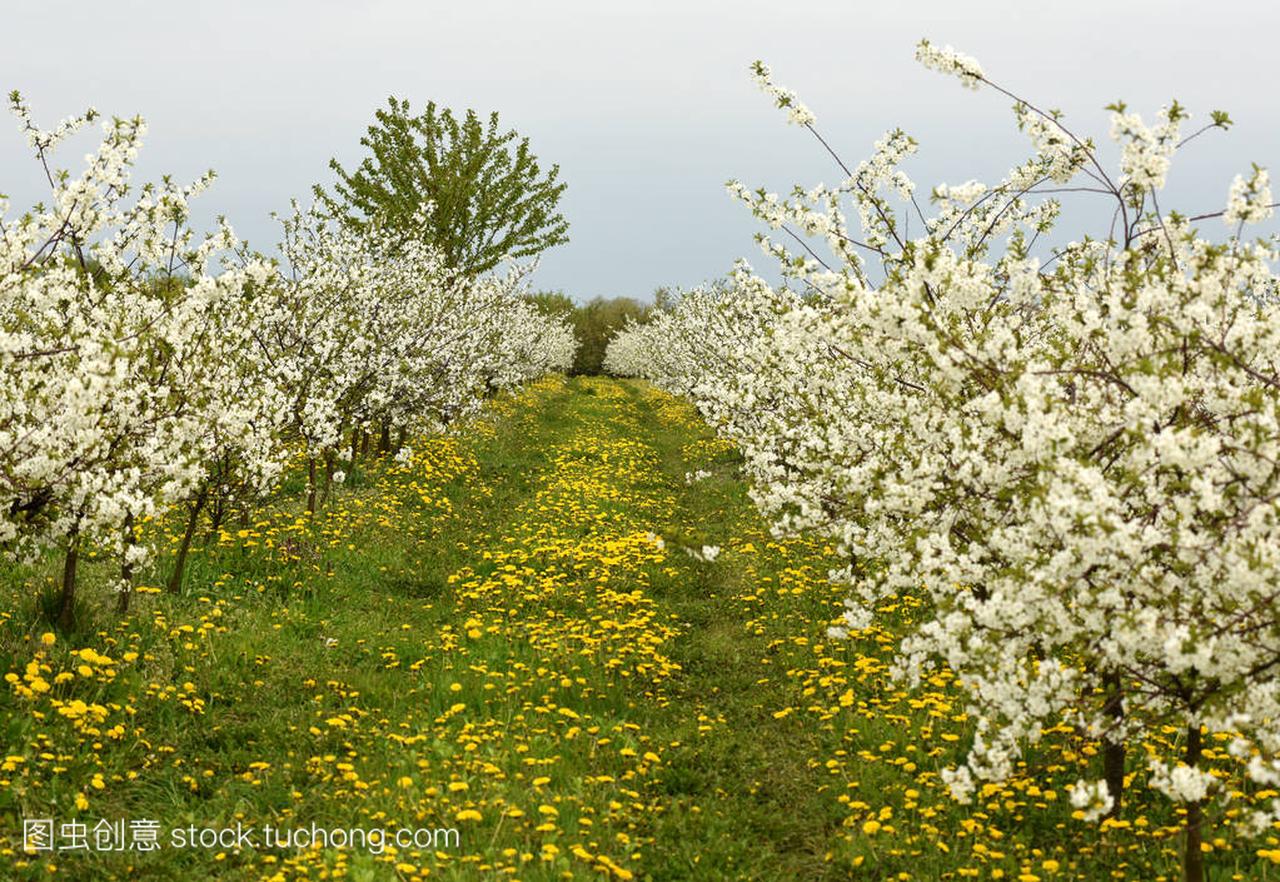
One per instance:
(180,562)
(67,599)
(1113,752)
(126,568)
(1193,856)
(328,477)
(311,485)
(216,516)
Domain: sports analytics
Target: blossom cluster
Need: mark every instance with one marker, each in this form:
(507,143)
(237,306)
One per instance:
(1074,457)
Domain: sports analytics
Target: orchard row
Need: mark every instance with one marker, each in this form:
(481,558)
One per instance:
(146,367)
(1063,445)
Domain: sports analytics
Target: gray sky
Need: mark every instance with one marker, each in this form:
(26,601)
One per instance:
(647,107)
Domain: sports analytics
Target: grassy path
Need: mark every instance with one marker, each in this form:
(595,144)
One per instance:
(507,634)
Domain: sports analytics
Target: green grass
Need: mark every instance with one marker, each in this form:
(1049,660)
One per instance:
(686,715)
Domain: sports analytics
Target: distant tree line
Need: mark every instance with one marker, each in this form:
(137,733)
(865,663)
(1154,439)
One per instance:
(594,322)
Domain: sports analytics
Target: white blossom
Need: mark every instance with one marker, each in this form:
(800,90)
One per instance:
(785,99)
(1249,200)
(1093,798)
(947,60)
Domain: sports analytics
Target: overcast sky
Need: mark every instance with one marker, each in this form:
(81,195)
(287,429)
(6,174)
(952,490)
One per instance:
(647,107)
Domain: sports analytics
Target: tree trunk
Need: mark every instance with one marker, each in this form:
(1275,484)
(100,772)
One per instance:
(67,600)
(364,442)
(126,567)
(1113,752)
(328,478)
(216,516)
(180,562)
(355,447)
(400,438)
(1193,856)
(384,442)
(311,485)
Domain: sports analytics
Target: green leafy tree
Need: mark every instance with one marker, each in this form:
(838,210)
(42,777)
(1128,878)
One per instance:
(554,303)
(489,198)
(665,299)
(596,322)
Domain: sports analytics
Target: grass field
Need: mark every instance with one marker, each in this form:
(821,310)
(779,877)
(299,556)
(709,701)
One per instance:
(507,635)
